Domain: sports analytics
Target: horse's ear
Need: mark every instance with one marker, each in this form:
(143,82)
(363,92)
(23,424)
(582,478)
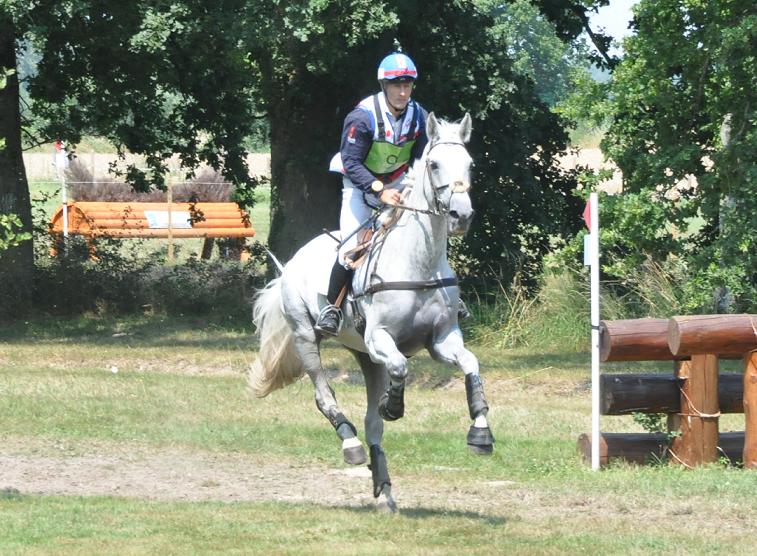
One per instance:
(466,126)
(432,127)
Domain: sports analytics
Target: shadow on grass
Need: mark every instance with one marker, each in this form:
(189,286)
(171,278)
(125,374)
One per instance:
(421,512)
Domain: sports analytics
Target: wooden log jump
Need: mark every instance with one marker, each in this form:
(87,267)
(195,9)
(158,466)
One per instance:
(634,340)
(645,448)
(693,397)
(648,393)
(155,220)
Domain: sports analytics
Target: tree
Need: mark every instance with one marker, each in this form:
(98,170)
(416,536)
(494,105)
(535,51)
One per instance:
(16,262)
(683,101)
(537,52)
(154,78)
(193,78)
(521,195)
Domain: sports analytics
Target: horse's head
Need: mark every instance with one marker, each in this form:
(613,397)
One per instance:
(447,172)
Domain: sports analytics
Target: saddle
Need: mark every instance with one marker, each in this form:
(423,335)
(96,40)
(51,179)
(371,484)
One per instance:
(356,256)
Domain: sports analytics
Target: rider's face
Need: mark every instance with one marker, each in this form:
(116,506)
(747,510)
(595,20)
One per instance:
(398,94)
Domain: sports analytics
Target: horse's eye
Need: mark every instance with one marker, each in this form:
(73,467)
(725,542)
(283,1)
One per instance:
(434,165)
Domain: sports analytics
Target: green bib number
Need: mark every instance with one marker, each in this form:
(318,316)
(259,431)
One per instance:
(385,157)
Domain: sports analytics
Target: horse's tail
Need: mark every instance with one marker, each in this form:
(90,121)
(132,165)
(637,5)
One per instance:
(277,363)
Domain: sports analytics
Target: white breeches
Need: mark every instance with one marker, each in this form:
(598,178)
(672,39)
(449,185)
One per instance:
(355,211)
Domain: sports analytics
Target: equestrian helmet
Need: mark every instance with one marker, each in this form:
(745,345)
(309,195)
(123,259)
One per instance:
(397,66)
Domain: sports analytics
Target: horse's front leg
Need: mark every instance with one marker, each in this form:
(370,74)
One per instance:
(451,349)
(383,351)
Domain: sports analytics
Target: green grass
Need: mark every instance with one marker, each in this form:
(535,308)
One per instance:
(179,387)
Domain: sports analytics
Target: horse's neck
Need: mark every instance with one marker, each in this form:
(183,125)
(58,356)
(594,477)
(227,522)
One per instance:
(417,246)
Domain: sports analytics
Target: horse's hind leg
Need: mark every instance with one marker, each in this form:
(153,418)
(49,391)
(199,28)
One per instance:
(325,399)
(451,349)
(376,383)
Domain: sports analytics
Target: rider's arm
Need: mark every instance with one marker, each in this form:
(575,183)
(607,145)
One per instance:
(357,138)
(421,140)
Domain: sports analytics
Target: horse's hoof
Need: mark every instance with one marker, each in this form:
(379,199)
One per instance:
(355,455)
(480,440)
(481,450)
(386,502)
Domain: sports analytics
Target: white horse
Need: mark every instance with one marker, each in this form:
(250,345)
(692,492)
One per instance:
(405,298)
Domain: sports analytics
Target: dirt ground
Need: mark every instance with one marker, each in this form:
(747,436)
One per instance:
(176,474)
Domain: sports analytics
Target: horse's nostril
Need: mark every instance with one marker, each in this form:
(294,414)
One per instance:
(454,214)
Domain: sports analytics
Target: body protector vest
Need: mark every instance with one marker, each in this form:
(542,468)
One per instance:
(389,153)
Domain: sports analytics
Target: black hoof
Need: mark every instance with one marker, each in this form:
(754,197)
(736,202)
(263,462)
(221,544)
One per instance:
(480,441)
(355,455)
(481,450)
(392,403)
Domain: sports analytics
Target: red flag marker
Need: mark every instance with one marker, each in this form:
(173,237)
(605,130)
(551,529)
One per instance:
(587,215)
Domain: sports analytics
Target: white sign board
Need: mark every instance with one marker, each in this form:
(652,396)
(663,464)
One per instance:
(180,220)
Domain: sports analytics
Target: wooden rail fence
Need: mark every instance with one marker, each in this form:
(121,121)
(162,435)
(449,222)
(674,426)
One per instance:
(693,397)
(156,220)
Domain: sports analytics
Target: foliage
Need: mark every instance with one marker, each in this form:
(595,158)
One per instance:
(148,77)
(199,80)
(11,231)
(555,66)
(683,106)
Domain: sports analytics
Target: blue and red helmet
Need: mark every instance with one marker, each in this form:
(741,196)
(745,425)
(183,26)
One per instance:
(397,66)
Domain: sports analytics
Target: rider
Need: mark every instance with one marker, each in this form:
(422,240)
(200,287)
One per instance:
(380,138)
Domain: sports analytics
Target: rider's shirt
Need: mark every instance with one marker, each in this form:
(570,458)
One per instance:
(376,145)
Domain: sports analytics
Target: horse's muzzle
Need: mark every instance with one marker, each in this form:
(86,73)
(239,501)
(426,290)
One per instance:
(458,223)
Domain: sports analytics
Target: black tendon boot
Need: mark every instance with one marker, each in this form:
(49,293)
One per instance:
(330,319)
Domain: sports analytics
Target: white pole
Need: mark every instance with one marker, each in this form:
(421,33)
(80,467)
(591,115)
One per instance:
(594,261)
(60,166)
(64,201)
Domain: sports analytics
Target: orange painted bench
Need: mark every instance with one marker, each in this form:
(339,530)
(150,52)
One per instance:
(155,220)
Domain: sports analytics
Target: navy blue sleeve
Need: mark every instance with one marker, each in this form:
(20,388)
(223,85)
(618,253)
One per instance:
(422,139)
(357,138)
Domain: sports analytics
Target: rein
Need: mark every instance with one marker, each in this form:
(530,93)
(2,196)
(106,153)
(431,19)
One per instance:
(408,285)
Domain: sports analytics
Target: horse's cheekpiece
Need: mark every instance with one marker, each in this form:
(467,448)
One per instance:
(415,307)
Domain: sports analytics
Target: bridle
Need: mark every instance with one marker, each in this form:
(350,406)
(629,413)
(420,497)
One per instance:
(456,187)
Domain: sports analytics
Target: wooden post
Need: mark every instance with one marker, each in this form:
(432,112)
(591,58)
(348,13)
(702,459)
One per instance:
(750,410)
(698,420)
(169,196)
(207,247)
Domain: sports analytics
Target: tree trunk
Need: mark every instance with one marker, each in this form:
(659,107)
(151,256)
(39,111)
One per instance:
(305,196)
(16,264)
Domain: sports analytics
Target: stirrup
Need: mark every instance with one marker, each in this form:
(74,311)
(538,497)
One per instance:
(324,322)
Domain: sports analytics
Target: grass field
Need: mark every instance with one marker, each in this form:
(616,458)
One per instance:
(138,436)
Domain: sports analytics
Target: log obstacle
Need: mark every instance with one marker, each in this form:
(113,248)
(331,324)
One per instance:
(155,220)
(693,396)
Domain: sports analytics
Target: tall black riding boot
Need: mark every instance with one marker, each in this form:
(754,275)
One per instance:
(330,319)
